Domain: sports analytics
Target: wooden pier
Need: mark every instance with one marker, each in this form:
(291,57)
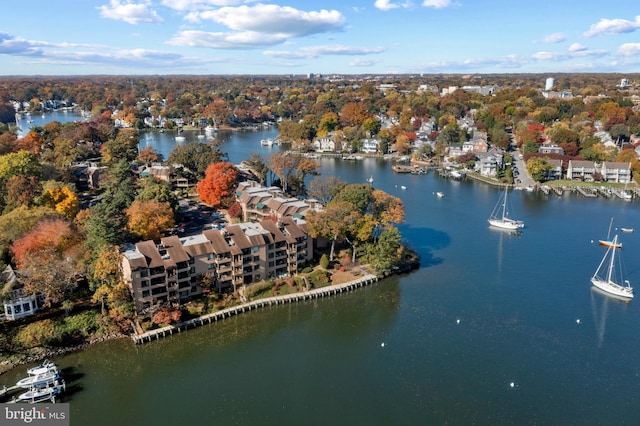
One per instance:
(256,304)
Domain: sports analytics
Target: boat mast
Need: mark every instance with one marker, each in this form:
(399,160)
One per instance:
(613,256)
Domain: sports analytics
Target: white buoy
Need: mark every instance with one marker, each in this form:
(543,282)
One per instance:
(457,321)
(513,385)
(382,344)
(578,321)
(591,241)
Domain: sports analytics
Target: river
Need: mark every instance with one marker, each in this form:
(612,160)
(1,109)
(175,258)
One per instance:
(493,329)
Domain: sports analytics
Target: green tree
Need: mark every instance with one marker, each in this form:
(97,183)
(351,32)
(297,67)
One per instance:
(538,168)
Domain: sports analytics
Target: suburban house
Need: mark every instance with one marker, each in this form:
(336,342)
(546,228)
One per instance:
(17,303)
(488,163)
(324,144)
(179,268)
(580,169)
(370,145)
(551,149)
(616,171)
(556,172)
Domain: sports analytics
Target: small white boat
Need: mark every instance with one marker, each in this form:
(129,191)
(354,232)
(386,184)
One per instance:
(200,136)
(266,142)
(210,129)
(626,229)
(180,139)
(439,194)
(605,276)
(403,187)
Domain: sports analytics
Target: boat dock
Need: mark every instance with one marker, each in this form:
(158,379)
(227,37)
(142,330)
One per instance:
(256,304)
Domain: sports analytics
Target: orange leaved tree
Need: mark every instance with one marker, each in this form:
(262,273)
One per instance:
(147,219)
(219,181)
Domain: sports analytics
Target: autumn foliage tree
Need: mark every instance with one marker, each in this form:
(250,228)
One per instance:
(219,181)
(63,200)
(147,219)
(50,259)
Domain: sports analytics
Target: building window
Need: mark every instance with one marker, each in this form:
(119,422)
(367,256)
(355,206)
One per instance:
(144,272)
(144,283)
(192,270)
(211,266)
(145,293)
(191,261)
(255,249)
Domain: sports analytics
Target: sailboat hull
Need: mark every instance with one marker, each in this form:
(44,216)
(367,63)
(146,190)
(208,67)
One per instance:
(613,288)
(506,224)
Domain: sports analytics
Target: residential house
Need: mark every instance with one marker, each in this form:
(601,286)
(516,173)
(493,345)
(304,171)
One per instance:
(324,144)
(370,145)
(551,149)
(581,170)
(556,172)
(17,304)
(616,171)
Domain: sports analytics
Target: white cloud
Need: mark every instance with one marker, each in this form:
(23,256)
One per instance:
(315,51)
(132,13)
(202,4)
(554,38)
(612,26)
(220,40)
(385,5)
(577,47)
(273,19)
(437,4)
(629,49)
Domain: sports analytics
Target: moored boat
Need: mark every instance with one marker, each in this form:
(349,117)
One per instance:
(40,394)
(500,215)
(608,242)
(605,276)
(41,375)
(266,142)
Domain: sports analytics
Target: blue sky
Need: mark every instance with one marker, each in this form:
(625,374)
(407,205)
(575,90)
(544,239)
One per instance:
(131,37)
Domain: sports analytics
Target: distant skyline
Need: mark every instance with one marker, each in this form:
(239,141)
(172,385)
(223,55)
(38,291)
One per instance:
(136,37)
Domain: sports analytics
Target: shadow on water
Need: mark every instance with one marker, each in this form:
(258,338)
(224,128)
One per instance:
(426,238)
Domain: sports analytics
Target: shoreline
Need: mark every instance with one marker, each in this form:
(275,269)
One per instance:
(202,320)
(6,366)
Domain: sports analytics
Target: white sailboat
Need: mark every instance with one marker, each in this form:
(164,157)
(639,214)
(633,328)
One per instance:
(500,215)
(608,275)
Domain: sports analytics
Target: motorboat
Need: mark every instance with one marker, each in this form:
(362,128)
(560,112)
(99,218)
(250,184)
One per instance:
(40,376)
(45,367)
(266,142)
(45,393)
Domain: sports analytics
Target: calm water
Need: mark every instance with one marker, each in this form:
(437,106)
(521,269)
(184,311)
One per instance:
(62,116)
(517,299)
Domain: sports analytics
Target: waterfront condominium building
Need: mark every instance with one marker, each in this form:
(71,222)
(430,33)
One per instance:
(177,269)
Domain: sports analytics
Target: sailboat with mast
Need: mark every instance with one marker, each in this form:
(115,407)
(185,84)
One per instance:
(608,242)
(608,276)
(500,215)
